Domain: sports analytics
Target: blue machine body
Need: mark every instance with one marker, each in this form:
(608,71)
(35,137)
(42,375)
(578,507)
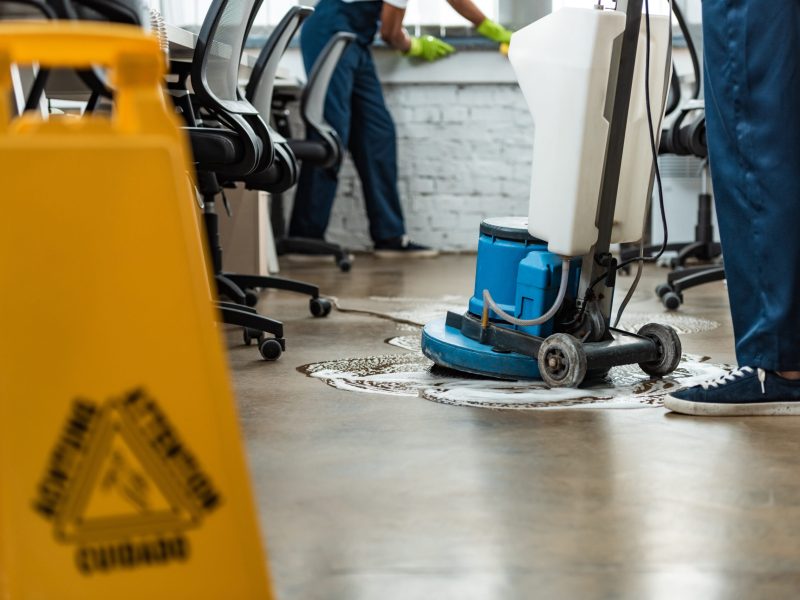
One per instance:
(523,278)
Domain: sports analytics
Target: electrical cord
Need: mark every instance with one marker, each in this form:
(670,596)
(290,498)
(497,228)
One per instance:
(654,151)
(489,303)
(687,36)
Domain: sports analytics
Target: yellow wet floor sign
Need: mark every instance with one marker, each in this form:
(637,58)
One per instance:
(121,463)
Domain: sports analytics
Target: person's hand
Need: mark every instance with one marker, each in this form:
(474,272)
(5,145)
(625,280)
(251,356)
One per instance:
(429,48)
(494,31)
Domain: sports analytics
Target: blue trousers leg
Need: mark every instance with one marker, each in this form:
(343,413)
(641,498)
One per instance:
(752,90)
(373,146)
(316,188)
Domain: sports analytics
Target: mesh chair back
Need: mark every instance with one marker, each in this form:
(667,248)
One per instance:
(262,80)
(215,79)
(27,85)
(219,52)
(312,104)
(130,12)
(25,10)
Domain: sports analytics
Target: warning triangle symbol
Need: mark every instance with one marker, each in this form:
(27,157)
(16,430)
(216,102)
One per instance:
(122,489)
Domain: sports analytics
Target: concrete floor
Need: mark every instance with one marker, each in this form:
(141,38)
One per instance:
(366,496)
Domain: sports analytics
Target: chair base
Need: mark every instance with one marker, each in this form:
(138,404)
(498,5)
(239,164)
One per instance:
(254,327)
(240,290)
(314,247)
(671,293)
(703,248)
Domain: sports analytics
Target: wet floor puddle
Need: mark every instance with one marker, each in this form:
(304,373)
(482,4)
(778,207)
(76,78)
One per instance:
(410,374)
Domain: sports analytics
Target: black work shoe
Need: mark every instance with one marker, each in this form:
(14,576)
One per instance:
(400,247)
(745,391)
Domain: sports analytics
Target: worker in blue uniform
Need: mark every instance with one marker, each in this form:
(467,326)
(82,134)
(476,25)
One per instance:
(355,108)
(752,95)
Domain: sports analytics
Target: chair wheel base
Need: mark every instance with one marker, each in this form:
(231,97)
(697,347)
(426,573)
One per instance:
(320,307)
(250,297)
(271,349)
(671,300)
(252,335)
(344,265)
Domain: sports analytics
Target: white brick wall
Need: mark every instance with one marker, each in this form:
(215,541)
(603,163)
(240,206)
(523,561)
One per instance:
(464,154)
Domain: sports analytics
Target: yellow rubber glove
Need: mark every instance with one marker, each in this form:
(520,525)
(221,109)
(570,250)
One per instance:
(494,31)
(429,48)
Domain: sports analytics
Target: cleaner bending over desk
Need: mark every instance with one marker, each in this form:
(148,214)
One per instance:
(355,107)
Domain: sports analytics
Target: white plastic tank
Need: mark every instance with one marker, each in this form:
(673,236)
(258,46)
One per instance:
(637,161)
(563,65)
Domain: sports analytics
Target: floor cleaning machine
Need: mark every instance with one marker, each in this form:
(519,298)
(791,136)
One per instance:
(544,284)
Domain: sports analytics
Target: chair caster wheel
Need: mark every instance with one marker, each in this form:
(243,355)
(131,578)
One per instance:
(669,349)
(663,289)
(320,307)
(251,335)
(250,297)
(270,349)
(344,265)
(671,301)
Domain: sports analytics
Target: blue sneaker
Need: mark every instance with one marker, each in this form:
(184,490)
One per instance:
(745,391)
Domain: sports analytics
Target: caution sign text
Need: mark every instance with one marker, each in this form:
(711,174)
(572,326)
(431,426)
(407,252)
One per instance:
(123,487)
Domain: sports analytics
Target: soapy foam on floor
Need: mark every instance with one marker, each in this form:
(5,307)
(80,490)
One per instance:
(410,374)
(683,324)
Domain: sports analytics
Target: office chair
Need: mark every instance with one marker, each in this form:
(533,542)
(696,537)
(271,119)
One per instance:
(321,147)
(13,10)
(687,137)
(27,85)
(282,173)
(129,12)
(238,143)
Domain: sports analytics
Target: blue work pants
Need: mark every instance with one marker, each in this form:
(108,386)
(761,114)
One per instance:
(355,108)
(752,99)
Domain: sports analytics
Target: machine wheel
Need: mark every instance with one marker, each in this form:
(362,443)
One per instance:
(663,289)
(320,307)
(562,361)
(251,335)
(671,300)
(250,297)
(669,349)
(344,265)
(270,349)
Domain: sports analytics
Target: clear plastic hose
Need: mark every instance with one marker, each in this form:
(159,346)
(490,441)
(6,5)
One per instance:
(488,303)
